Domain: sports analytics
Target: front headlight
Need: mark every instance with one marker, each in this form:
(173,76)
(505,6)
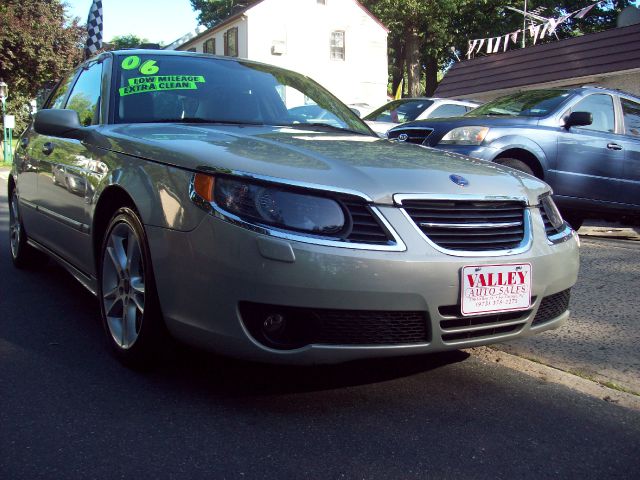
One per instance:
(274,206)
(465,136)
(552,212)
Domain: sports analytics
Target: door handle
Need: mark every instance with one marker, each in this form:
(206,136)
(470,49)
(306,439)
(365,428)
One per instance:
(614,146)
(47,148)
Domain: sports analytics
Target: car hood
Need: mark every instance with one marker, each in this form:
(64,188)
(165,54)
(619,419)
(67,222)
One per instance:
(482,120)
(369,165)
(380,127)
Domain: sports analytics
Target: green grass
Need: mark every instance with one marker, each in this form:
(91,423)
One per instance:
(13,150)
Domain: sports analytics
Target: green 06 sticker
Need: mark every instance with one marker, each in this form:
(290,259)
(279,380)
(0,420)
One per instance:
(148,67)
(130,62)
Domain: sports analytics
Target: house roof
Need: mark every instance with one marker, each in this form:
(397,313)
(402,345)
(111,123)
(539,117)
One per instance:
(241,12)
(614,50)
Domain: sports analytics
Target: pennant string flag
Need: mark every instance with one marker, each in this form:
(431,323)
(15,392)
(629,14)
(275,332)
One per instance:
(584,11)
(536,32)
(94,29)
(496,46)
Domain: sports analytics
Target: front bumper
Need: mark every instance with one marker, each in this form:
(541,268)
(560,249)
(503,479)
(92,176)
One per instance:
(203,275)
(476,151)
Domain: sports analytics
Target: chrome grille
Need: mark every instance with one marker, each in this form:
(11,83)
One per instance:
(414,135)
(465,225)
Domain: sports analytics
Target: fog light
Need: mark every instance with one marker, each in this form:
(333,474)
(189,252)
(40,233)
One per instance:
(274,324)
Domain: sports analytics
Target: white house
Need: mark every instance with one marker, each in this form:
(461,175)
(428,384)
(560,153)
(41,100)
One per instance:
(338,43)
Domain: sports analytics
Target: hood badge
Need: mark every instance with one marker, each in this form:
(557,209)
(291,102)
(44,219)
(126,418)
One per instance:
(403,137)
(459,180)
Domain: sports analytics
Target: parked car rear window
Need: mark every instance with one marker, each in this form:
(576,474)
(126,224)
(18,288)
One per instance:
(399,111)
(177,88)
(533,103)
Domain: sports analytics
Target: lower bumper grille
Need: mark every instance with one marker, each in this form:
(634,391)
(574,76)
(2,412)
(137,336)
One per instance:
(468,328)
(552,307)
(305,326)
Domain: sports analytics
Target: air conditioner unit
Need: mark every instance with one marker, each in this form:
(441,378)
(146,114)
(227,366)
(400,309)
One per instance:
(278,47)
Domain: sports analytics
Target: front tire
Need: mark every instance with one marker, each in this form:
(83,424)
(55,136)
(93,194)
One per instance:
(23,255)
(129,302)
(515,163)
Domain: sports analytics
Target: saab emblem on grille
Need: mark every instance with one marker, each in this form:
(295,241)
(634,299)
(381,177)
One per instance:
(403,137)
(458,180)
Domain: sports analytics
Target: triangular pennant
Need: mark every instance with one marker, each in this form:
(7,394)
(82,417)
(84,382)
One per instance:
(584,11)
(490,45)
(505,44)
(496,45)
(472,47)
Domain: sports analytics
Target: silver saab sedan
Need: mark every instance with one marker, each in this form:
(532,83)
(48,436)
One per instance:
(189,195)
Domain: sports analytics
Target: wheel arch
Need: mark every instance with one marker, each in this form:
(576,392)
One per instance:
(11,186)
(526,156)
(111,199)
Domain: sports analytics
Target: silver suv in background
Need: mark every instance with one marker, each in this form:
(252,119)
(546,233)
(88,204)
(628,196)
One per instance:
(410,109)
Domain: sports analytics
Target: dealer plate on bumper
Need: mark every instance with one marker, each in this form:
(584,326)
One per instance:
(495,288)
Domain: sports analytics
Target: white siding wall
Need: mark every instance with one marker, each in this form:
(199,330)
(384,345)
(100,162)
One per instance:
(303,28)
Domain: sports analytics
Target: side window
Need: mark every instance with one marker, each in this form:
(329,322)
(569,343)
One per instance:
(336,50)
(231,42)
(58,96)
(209,46)
(601,107)
(85,96)
(444,111)
(631,112)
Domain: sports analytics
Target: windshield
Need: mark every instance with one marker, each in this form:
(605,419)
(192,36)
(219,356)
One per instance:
(399,111)
(162,88)
(533,103)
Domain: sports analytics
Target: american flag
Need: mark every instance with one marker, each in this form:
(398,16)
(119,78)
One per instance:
(94,29)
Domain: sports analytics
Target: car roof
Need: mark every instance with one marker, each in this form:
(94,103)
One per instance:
(180,53)
(588,89)
(438,100)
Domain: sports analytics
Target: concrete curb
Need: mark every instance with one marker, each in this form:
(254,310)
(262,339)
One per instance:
(551,374)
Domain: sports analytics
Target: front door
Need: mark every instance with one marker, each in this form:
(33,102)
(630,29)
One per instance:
(62,189)
(590,158)
(631,142)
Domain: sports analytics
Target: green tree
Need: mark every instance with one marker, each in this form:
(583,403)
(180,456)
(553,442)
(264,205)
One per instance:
(127,41)
(216,11)
(38,44)
(423,32)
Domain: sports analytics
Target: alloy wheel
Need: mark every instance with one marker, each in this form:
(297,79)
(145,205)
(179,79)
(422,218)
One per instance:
(123,280)
(15,228)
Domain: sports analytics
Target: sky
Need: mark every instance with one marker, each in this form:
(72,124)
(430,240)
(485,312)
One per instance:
(156,20)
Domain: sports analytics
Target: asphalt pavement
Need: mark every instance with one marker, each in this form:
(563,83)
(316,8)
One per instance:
(601,339)
(69,410)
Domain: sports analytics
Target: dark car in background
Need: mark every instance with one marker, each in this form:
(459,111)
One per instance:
(584,142)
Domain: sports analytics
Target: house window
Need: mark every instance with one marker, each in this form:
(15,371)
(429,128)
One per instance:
(209,46)
(231,42)
(337,45)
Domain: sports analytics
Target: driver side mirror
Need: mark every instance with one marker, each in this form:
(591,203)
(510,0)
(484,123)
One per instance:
(59,123)
(578,119)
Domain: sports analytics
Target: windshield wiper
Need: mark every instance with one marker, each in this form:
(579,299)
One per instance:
(323,125)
